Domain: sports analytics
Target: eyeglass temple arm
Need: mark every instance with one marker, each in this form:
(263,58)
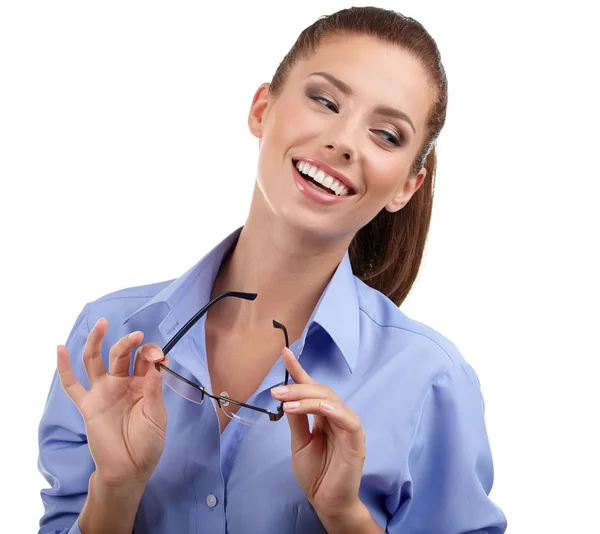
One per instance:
(173,341)
(279,325)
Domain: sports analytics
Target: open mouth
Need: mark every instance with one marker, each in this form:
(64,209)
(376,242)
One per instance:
(319,179)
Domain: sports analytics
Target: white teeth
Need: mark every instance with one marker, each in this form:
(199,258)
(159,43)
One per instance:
(312,171)
(319,176)
(322,178)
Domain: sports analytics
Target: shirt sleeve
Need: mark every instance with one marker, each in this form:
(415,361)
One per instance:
(64,456)
(450,464)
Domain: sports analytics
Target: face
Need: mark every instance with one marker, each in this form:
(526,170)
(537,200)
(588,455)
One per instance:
(352,117)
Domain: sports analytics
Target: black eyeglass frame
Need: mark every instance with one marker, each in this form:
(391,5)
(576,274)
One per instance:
(221,398)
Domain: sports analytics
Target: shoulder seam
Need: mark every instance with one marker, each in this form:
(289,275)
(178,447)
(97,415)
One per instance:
(107,298)
(422,407)
(433,383)
(146,287)
(411,331)
(87,316)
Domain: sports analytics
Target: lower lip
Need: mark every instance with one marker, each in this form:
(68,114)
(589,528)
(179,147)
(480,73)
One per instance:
(315,194)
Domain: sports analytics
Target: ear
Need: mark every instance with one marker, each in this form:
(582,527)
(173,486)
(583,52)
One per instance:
(258,108)
(409,188)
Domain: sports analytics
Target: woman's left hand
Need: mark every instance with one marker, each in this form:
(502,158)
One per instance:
(328,461)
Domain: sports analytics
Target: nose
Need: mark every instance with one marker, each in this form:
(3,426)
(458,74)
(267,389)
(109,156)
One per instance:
(339,143)
(337,150)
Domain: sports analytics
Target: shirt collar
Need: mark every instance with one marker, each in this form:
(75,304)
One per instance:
(206,268)
(337,310)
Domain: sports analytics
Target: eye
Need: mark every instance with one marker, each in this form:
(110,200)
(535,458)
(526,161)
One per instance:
(324,101)
(389,137)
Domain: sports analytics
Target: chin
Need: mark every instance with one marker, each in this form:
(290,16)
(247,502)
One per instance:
(294,211)
(311,225)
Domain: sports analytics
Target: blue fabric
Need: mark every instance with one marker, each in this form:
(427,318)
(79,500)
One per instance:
(428,467)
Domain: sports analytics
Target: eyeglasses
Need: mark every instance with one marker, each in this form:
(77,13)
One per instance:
(238,411)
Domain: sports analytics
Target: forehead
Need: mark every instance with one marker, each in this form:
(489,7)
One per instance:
(379,73)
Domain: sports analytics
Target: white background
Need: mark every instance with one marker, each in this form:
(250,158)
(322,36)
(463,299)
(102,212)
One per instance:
(125,156)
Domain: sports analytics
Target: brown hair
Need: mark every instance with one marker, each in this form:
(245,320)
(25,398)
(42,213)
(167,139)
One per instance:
(387,252)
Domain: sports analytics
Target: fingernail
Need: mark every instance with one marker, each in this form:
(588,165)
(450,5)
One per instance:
(327,407)
(280,390)
(291,405)
(132,335)
(155,355)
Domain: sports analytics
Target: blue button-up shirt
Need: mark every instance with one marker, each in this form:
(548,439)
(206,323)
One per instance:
(428,466)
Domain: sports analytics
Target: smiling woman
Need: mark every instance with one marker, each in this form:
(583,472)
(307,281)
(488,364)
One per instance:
(381,426)
(392,78)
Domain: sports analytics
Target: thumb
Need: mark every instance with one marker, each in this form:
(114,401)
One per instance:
(299,430)
(154,404)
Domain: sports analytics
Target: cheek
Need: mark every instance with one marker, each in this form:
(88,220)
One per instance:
(294,125)
(385,181)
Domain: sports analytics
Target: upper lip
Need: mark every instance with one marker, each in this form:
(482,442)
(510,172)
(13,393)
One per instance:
(331,171)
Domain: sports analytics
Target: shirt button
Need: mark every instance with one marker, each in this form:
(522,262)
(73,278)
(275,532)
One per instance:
(211,501)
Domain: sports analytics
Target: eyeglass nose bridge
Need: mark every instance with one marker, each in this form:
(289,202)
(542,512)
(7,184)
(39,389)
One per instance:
(221,399)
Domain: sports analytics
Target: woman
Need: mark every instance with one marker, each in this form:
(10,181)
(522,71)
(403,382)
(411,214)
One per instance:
(382,427)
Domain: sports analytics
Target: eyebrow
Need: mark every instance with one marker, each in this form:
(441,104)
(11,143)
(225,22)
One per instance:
(380,110)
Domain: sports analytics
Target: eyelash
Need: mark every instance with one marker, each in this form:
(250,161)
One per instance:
(392,139)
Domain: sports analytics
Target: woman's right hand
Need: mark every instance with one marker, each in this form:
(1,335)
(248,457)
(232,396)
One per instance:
(125,416)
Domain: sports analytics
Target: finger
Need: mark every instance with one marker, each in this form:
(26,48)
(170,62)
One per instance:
(92,353)
(298,373)
(154,404)
(69,382)
(337,413)
(146,356)
(293,392)
(300,431)
(120,354)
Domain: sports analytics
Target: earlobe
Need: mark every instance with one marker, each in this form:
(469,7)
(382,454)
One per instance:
(257,110)
(410,187)
(397,203)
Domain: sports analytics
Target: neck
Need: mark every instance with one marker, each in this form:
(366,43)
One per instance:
(288,270)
